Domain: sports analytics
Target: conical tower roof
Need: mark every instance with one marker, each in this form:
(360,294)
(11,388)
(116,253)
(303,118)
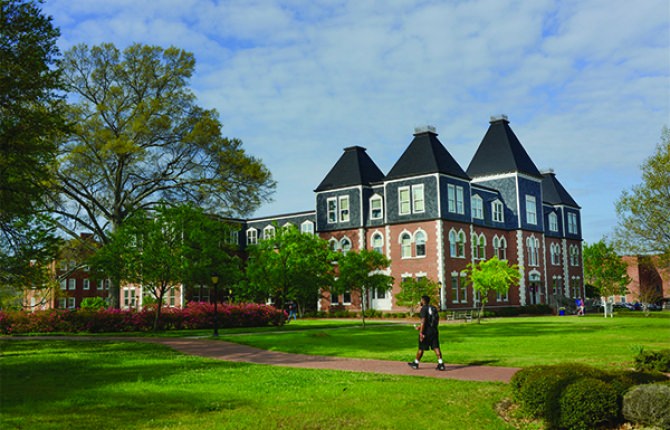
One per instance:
(501,152)
(425,155)
(355,167)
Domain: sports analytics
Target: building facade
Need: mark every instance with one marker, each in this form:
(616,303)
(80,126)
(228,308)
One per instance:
(432,218)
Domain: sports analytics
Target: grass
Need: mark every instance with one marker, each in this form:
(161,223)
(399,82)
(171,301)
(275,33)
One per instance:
(56,384)
(514,342)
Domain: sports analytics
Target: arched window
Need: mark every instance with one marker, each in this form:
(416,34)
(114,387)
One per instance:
(252,236)
(553,222)
(555,254)
(420,243)
(452,243)
(333,244)
(480,247)
(532,244)
(477,205)
(378,243)
(405,245)
(460,244)
(345,243)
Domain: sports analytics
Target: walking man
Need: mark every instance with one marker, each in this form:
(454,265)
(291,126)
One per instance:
(429,335)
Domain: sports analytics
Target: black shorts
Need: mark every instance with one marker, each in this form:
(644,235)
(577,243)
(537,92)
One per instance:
(430,341)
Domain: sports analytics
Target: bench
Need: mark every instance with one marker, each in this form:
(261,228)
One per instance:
(466,315)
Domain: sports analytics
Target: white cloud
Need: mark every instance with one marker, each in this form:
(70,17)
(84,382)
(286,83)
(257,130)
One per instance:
(585,83)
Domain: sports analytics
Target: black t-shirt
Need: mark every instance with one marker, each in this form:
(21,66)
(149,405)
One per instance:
(429,314)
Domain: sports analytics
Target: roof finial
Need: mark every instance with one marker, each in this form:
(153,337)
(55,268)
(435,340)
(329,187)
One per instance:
(499,118)
(424,129)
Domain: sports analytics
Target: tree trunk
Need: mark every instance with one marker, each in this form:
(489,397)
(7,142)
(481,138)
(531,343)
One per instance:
(363,305)
(481,312)
(159,306)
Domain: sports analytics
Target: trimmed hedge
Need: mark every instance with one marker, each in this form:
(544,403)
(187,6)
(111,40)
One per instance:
(586,403)
(544,392)
(196,315)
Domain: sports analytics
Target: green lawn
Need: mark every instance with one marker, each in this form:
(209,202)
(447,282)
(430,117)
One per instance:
(56,384)
(515,342)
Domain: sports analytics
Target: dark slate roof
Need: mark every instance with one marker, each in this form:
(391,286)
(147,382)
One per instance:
(501,152)
(355,167)
(424,155)
(554,193)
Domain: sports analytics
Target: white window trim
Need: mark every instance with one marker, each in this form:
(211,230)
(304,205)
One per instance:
(252,239)
(425,242)
(378,198)
(553,222)
(531,209)
(415,191)
(341,216)
(403,233)
(335,211)
(479,206)
(269,232)
(494,204)
(309,230)
(409,201)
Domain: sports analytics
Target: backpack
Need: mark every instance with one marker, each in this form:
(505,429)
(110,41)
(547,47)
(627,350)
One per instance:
(433,318)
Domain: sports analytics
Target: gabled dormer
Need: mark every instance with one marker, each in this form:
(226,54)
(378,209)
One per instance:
(502,163)
(343,195)
(416,186)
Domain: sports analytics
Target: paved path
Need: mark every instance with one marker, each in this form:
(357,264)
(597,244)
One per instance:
(228,351)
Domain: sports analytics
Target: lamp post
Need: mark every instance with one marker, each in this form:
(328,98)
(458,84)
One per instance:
(215,282)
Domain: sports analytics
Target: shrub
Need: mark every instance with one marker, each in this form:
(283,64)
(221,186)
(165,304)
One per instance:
(587,403)
(653,360)
(622,380)
(648,405)
(539,389)
(93,303)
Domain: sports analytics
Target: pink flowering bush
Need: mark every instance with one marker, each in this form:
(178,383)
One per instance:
(196,315)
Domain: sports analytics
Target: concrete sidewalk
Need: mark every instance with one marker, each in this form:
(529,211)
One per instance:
(227,351)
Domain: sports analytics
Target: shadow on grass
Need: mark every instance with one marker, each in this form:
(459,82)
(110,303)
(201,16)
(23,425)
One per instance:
(101,384)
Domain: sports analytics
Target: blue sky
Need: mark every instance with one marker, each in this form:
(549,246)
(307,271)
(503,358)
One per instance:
(585,83)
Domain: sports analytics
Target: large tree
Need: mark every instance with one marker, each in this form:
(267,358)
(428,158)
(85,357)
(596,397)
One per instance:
(361,272)
(644,224)
(139,137)
(604,269)
(167,248)
(30,120)
(290,266)
(492,275)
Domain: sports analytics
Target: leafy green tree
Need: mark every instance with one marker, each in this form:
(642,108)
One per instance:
(604,269)
(412,289)
(644,224)
(290,266)
(139,138)
(31,117)
(164,249)
(360,272)
(492,275)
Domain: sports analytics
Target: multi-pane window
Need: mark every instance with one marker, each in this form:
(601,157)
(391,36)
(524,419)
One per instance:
(233,238)
(477,207)
(63,284)
(464,289)
(553,222)
(456,244)
(62,303)
(378,243)
(332,210)
(346,298)
(405,245)
(417,198)
(307,227)
(479,245)
(533,245)
(572,223)
(500,248)
(70,302)
(531,209)
(454,287)
(268,232)
(555,254)
(334,299)
(420,243)
(87,284)
(333,244)
(503,297)
(497,211)
(404,200)
(172,296)
(376,207)
(344,208)
(455,199)
(574,255)
(252,236)
(71,284)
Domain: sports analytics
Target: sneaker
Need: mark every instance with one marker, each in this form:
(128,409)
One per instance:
(440,366)
(413,365)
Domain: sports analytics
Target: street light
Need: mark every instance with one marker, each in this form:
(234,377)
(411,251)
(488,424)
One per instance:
(215,282)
